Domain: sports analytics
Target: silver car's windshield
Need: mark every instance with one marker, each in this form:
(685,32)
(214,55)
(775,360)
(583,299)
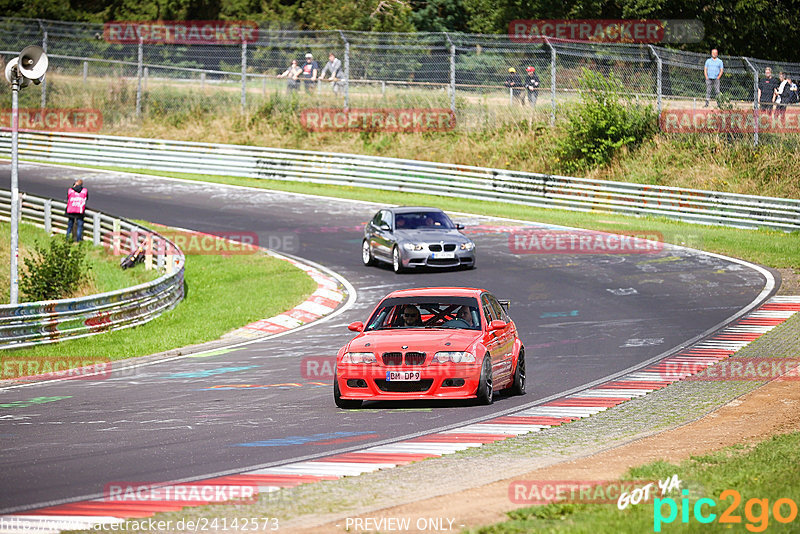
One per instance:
(423,220)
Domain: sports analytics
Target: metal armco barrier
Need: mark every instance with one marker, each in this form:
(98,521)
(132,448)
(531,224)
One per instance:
(540,190)
(34,323)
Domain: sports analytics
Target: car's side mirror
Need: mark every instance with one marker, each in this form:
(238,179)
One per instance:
(459,226)
(385,227)
(357,326)
(497,325)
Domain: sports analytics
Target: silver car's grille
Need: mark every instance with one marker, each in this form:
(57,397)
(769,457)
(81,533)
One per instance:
(437,247)
(449,248)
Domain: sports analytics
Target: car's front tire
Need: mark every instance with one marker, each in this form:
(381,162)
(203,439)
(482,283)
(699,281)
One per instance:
(366,254)
(484,392)
(397,261)
(345,404)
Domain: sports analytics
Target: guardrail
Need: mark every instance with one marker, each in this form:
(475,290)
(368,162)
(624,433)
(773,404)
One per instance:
(540,190)
(34,323)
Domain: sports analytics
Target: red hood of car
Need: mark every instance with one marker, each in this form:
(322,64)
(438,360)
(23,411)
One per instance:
(419,340)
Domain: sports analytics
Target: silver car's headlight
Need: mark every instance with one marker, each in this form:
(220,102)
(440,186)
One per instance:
(412,246)
(467,246)
(453,356)
(359,357)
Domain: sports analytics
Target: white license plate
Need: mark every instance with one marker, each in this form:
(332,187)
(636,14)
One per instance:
(443,255)
(402,376)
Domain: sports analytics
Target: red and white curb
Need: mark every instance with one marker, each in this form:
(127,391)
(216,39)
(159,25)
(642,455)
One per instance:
(722,345)
(323,301)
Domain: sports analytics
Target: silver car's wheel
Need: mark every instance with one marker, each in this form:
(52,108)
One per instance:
(366,253)
(397,262)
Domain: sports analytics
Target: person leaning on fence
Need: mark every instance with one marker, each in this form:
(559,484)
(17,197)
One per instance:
(334,67)
(514,82)
(531,85)
(76,207)
(292,73)
(713,71)
(310,73)
(766,90)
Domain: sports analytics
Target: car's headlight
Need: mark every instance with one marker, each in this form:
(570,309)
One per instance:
(412,246)
(453,356)
(467,246)
(359,357)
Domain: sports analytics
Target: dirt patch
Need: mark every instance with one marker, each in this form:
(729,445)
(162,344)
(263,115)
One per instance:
(769,410)
(790,282)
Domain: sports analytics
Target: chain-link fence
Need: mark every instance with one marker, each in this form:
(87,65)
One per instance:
(468,74)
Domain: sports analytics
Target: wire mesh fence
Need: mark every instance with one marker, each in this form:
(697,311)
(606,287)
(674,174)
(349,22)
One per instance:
(482,79)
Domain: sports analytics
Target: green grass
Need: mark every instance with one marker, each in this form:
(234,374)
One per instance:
(772,248)
(770,470)
(104,273)
(212,307)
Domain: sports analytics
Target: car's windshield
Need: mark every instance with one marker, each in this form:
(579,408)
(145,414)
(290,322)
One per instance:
(423,220)
(426,312)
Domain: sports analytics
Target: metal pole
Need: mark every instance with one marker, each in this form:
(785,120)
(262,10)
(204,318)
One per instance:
(244,74)
(85,71)
(755,99)
(346,70)
(44,82)
(139,79)
(659,66)
(146,75)
(14,188)
(452,73)
(552,82)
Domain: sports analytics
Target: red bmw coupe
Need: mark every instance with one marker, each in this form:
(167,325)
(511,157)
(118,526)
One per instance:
(431,343)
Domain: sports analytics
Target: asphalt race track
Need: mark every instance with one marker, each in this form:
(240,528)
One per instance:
(582,317)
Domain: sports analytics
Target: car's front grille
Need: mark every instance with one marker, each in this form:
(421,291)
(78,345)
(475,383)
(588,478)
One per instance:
(392,358)
(437,247)
(392,386)
(415,358)
(451,261)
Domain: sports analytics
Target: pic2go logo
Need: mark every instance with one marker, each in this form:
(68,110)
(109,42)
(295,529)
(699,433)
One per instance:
(756,511)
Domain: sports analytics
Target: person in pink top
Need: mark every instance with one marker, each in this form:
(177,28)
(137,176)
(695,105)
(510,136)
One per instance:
(76,207)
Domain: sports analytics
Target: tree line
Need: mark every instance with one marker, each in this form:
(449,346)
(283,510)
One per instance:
(755,28)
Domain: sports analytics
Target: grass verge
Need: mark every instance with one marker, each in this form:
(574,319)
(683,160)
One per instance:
(104,272)
(760,475)
(208,310)
(772,248)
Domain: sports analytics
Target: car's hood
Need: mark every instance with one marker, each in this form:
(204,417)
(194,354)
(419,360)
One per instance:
(431,236)
(420,340)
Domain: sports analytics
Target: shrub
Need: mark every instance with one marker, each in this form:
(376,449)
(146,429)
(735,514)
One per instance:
(54,272)
(607,119)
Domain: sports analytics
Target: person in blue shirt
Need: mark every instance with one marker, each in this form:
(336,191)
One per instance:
(713,71)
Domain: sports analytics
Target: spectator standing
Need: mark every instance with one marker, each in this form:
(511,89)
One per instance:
(532,85)
(766,90)
(783,94)
(713,72)
(310,72)
(76,207)
(292,73)
(514,82)
(334,67)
